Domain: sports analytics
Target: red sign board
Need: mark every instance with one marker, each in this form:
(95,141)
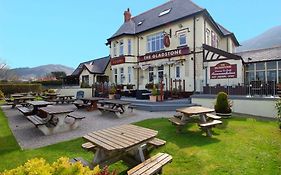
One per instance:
(223,71)
(161,55)
(118,60)
(166,41)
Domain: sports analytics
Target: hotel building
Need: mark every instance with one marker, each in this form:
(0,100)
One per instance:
(177,43)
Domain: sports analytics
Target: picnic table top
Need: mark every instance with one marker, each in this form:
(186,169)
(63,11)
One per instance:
(92,99)
(120,137)
(39,103)
(194,110)
(62,96)
(17,95)
(25,98)
(119,102)
(52,94)
(57,109)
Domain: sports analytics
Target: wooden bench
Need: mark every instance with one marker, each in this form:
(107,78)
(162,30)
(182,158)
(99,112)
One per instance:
(178,115)
(80,105)
(75,116)
(25,111)
(156,142)
(37,121)
(151,166)
(131,107)
(89,146)
(104,109)
(178,123)
(207,126)
(213,116)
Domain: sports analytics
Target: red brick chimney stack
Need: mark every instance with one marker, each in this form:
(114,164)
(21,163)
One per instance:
(127,15)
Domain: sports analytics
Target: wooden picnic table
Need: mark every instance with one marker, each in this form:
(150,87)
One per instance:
(65,98)
(22,100)
(56,119)
(189,112)
(38,104)
(93,102)
(17,95)
(124,142)
(116,104)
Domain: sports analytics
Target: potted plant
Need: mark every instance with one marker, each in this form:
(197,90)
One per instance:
(154,94)
(223,105)
(112,92)
(278,107)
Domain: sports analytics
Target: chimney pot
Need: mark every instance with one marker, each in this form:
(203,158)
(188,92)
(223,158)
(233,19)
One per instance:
(127,15)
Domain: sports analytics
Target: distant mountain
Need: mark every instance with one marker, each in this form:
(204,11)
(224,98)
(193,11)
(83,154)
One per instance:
(270,38)
(27,73)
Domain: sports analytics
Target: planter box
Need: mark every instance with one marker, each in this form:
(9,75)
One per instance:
(153,98)
(111,96)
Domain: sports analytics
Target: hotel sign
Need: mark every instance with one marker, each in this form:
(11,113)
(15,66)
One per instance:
(161,55)
(223,71)
(117,60)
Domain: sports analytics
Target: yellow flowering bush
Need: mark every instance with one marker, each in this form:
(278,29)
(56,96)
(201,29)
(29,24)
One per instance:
(62,166)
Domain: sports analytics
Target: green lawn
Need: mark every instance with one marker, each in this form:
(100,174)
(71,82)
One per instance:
(239,146)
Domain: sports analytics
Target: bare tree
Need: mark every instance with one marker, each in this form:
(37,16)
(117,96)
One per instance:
(5,72)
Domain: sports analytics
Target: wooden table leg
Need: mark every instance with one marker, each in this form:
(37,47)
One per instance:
(207,129)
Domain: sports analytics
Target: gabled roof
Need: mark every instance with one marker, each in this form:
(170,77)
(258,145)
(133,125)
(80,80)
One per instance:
(95,66)
(268,54)
(150,19)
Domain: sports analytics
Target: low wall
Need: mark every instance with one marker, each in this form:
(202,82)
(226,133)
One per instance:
(73,91)
(257,106)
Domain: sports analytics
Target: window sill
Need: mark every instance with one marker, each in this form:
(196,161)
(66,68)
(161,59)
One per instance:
(182,46)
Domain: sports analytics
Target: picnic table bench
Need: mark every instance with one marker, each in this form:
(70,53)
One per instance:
(89,103)
(206,119)
(118,107)
(22,101)
(59,119)
(25,111)
(151,166)
(65,99)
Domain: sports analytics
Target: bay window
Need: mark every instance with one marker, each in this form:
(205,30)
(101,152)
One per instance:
(155,42)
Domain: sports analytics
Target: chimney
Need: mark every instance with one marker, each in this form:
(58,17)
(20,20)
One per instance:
(127,15)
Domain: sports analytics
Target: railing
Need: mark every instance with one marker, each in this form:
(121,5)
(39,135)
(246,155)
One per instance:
(255,88)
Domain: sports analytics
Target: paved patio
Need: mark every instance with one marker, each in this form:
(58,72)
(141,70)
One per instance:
(28,136)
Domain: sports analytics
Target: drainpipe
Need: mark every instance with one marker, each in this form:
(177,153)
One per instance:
(138,70)
(194,54)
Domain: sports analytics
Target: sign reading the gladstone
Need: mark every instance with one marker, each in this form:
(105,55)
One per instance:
(223,71)
(161,55)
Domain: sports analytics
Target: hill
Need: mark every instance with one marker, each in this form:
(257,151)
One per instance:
(27,73)
(269,38)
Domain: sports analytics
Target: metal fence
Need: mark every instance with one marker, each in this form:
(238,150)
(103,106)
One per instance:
(254,88)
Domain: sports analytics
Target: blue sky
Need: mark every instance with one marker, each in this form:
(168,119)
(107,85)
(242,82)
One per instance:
(37,32)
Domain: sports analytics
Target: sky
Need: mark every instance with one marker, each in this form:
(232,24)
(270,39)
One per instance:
(67,32)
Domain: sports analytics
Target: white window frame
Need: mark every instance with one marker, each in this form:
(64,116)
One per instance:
(129,47)
(121,47)
(129,75)
(208,33)
(159,69)
(121,75)
(115,72)
(180,37)
(177,67)
(114,49)
(155,42)
(150,71)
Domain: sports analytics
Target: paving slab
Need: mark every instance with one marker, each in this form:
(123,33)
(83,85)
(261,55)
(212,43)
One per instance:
(30,137)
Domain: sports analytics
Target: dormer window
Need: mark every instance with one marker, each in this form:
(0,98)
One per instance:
(165,12)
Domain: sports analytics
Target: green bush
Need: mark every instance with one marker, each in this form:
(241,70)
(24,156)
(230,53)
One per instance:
(51,91)
(154,91)
(112,90)
(85,85)
(278,108)
(61,167)
(222,103)
(11,88)
(2,96)
(50,83)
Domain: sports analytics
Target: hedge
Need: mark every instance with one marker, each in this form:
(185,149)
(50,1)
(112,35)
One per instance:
(49,83)
(8,89)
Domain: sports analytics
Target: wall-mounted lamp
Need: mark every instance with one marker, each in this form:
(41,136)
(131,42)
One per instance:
(192,58)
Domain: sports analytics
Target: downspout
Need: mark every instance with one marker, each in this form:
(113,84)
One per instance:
(194,54)
(138,70)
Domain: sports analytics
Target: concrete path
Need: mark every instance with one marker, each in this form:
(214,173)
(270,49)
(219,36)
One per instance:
(28,136)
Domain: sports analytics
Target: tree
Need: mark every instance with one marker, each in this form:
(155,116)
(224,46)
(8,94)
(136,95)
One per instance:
(59,74)
(6,73)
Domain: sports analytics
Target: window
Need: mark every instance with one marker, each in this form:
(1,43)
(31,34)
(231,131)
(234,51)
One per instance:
(160,73)
(121,48)
(114,50)
(150,74)
(271,71)
(178,72)
(129,75)
(208,37)
(250,76)
(164,12)
(260,71)
(250,67)
(122,77)
(115,76)
(215,40)
(182,39)
(129,47)
(155,42)
(85,80)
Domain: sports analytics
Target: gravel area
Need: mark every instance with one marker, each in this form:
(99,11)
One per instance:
(28,136)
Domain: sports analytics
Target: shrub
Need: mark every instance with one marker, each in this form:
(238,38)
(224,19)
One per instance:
(112,90)
(61,167)
(51,91)
(222,103)
(154,91)
(12,88)
(151,85)
(85,85)
(2,96)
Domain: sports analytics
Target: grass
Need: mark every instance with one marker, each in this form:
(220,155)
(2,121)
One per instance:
(239,146)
